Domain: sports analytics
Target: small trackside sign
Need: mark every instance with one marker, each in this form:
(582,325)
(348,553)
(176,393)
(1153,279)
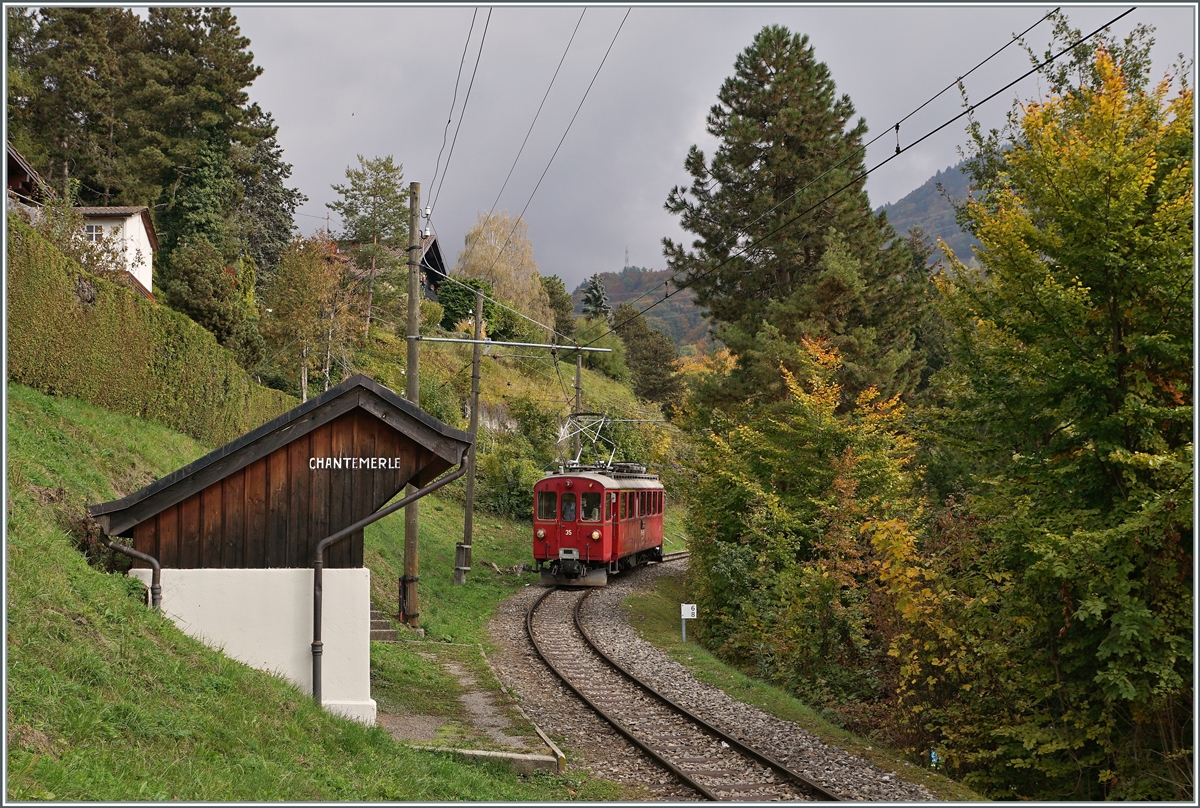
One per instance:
(687,611)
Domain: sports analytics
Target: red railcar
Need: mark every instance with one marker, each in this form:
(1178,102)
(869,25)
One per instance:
(589,521)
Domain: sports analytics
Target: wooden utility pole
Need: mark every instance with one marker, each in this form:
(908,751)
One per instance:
(462,555)
(578,398)
(409,604)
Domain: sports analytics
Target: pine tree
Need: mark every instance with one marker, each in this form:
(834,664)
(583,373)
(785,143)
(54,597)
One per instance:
(374,211)
(560,304)
(73,68)
(201,285)
(765,217)
(651,357)
(595,300)
(266,217)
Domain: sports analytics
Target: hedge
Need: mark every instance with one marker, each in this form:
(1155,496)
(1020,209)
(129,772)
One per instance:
(74,334)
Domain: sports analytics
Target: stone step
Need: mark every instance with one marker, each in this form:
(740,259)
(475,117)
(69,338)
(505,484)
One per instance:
(382,628)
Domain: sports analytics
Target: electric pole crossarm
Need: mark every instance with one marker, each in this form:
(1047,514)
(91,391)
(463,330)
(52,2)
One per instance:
(511,344)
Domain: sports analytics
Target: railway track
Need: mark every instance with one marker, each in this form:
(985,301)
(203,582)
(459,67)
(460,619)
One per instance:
(715,764)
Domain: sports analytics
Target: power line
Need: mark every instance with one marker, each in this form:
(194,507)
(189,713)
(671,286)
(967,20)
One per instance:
(463,113)
(567,131)
(546,169)
(969,110)
(454,99)
(539,111)
(861,149)
(520,151)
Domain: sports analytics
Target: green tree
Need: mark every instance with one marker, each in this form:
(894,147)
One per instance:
(560,304)
(72,68)
(266,218)
(765,216)
(1072,375)
(306,318)
(374,211)
(781,489)
(596,333)
(595,300)
(458,301)
(651,357)
(203,286)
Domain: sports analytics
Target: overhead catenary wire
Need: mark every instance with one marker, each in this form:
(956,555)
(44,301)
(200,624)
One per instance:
(566,132)
(968,111)
(547,168)
(463,113)
(861,149)
(454,99)
(536,115)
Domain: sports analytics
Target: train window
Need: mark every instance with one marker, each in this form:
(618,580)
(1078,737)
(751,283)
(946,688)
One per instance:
(547,505)
(641,503)
(590,500)
(568,507)
(624,503)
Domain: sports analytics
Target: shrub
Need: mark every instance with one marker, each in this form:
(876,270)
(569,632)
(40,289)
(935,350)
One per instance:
(71,333)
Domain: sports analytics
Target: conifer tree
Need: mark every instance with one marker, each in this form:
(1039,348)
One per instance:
(374,211)
(651,357)
(560,304)
(267,213)
(765,216)
(595,299)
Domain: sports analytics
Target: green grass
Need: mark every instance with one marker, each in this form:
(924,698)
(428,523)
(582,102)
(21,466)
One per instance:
(449,613)
(655,616)
(109,701)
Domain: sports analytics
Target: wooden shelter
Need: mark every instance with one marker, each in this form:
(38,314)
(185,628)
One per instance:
(268,498)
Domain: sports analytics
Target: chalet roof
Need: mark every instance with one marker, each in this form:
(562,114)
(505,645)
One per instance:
(432,262)
(446,443)
(22,179)
(121,212)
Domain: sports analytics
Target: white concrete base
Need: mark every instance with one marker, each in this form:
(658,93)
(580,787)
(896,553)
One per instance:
(361,711)
(264,618)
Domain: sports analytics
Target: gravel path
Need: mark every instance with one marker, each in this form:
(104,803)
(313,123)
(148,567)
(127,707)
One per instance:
(591,744)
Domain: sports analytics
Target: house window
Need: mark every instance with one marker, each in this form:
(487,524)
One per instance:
(93,232)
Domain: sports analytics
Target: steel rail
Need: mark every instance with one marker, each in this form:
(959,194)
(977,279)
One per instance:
(671,767)
(799,779)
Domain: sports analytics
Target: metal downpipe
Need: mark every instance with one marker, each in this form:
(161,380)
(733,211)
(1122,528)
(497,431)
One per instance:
(155,577)
(319,563)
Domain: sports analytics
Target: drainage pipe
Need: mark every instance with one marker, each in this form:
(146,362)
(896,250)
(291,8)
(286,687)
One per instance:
(155,577)
(319,563)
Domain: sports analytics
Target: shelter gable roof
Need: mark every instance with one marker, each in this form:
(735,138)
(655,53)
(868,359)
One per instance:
(358,391)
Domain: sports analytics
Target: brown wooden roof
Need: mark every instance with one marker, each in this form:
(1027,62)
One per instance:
(259,502)
(21,178)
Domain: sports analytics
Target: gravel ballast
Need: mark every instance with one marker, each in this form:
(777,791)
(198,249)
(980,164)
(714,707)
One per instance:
(591,744)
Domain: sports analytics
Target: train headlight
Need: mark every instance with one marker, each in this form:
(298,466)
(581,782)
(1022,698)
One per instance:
(595,535)
(541,534)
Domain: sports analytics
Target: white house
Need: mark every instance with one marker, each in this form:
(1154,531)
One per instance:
(130,227)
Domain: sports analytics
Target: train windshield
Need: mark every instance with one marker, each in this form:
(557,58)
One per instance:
(547,505)
(568,507)
(591,506)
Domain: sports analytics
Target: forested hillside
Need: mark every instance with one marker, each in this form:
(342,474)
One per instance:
(954,510)
(678,317)
(929,209)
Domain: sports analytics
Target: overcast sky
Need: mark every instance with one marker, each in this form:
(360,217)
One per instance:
(380,80)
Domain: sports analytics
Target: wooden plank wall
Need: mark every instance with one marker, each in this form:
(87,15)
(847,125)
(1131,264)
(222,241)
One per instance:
(273,512)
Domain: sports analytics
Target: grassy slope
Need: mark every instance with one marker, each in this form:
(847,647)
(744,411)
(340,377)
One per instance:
(655,615)
(109,701)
